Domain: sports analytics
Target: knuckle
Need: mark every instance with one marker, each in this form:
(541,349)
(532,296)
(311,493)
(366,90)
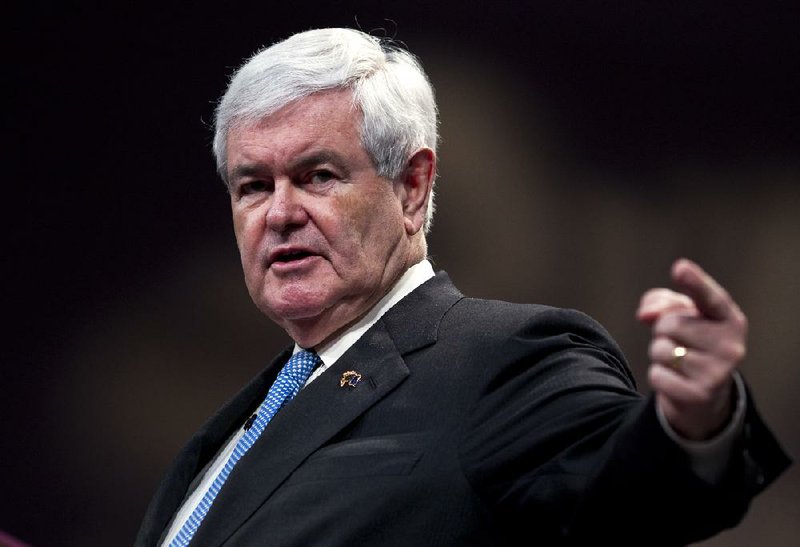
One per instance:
(732,350)
(741,322)
(659,349)
(738,352)
(652,350)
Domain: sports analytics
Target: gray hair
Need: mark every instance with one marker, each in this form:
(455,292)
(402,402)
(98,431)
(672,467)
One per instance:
(389,87)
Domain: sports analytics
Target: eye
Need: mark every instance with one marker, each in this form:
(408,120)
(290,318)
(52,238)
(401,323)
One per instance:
(322,176)
(253,187)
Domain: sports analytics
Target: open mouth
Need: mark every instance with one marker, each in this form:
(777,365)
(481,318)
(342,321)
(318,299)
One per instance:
(289,256)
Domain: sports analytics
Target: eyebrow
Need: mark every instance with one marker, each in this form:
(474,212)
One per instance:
(246,170)
(316,158)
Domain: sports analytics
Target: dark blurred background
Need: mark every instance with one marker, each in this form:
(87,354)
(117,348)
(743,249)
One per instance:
(585,144)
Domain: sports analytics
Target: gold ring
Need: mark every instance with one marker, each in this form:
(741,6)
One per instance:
(678,353)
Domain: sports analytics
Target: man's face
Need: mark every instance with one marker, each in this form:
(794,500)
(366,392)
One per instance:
(320,234)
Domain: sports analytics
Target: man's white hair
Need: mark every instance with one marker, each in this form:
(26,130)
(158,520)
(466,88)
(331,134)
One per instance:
(389,88)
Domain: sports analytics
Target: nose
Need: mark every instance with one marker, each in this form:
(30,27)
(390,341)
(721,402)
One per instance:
(286,208)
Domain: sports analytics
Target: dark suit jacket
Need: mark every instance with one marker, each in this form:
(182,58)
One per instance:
(476,423)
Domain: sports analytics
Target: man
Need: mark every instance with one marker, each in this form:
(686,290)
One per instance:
(432,418)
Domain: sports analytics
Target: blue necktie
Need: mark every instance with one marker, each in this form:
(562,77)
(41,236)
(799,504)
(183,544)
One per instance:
(289,381)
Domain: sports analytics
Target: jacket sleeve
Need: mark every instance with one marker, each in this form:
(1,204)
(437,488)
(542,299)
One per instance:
(561,443)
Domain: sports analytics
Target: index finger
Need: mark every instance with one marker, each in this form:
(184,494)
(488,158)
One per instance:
(711,299)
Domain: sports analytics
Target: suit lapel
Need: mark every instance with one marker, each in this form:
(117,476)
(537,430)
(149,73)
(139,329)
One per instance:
(312,418)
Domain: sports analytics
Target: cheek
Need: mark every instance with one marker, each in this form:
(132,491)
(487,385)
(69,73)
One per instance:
(245,230)
(371,218)
(238,226)
(382,226)
(372,239)
(341,225)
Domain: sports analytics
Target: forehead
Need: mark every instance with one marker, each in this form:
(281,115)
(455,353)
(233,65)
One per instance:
(327,119)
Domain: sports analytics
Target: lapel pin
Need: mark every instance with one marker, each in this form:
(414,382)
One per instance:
(351,378)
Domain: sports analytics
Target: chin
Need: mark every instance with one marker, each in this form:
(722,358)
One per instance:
(294,307)
(306,325)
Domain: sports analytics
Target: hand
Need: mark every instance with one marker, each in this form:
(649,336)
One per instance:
(694,395)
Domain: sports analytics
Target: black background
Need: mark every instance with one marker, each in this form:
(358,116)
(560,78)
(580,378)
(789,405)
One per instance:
(117,238)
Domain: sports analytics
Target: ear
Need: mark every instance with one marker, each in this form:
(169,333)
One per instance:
(414,187)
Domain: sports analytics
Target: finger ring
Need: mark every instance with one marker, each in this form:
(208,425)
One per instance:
(678,353)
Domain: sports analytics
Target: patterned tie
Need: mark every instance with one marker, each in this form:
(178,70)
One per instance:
(289,381)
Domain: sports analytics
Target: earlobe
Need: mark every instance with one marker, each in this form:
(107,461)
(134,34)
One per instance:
(416,183)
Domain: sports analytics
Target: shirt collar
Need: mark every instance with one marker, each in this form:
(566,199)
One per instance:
(415,276)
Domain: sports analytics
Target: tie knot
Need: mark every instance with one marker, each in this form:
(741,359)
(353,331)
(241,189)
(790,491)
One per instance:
(301,364)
